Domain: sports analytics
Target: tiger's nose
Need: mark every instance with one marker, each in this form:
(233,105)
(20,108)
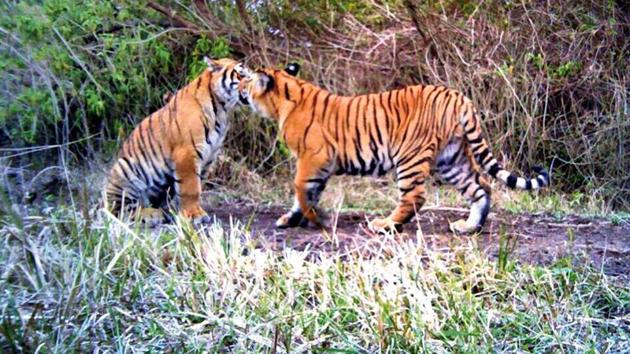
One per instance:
(243,84)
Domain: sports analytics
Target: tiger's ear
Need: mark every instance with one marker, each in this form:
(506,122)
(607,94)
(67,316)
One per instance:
(292,69)
(212,65)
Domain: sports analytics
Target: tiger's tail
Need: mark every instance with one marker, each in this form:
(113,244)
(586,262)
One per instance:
(481,151)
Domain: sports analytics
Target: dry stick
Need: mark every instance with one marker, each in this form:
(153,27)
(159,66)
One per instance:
(180,21)
(242,10)
(192,27)
(33,149)
(77,60)
(411,8)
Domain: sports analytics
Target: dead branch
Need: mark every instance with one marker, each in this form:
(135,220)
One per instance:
(242,10)
(173,16)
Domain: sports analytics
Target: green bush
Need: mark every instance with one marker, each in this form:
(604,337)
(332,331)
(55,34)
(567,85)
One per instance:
(71,68)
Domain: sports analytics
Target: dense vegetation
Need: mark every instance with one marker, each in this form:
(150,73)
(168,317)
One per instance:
(551,77)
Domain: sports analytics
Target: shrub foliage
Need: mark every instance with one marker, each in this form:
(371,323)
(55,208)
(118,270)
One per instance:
(550,77)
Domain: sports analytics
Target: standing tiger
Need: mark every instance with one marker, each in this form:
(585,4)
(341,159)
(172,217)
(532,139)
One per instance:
(412,130)
(171,150)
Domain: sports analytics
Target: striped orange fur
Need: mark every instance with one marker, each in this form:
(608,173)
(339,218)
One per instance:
(413,131)
(171,150)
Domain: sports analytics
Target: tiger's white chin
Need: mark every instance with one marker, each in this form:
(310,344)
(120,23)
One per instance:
(258,110)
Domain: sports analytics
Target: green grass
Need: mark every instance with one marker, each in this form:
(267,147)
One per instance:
(74,285)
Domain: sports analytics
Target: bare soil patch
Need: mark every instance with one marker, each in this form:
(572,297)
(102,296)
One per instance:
(533,239)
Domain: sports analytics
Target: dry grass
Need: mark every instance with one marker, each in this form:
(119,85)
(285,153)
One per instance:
(69,286)
(78,281)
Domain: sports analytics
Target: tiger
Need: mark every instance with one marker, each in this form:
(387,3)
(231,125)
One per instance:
(414,131)
(169,153)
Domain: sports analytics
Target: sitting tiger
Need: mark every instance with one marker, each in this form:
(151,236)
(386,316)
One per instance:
(171,150)
(412,130)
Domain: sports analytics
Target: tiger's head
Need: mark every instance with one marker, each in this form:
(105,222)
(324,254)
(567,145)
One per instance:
(226,75)
(272,92)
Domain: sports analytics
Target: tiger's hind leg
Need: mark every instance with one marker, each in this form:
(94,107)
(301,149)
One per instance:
(410,177)
(454,167)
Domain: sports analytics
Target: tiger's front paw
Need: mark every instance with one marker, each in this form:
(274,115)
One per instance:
(460,227)
(196,215)
(151,217)
(291,219)
(385,226)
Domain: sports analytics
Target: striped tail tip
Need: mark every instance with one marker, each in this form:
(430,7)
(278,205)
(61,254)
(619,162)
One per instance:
(543,176)
(540,181)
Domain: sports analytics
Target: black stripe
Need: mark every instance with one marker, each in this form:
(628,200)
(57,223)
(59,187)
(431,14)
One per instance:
(286,92)
(475,200)
(494,169)
(397,107)
(325,106)
(416,163)
(475,141)
(465,187)
(357,150)
(467,176)
(447,175)
(308,127)
(152,153)
(192,143)
(478,148)
(179,129)
(511,181)
(405,102)
(528,184)
(150,139)
(365,112)
(126,173)
(348,113)
(214,100)
(223,80)
(220,103)
(206,129)
(406,190)
(455,156)
(482,156)
(378,130)
(438,94)
(413,186)
(409,175)
(143,155)
(446,103)
(386,113)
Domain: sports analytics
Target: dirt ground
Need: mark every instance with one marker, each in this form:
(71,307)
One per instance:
(533,239)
